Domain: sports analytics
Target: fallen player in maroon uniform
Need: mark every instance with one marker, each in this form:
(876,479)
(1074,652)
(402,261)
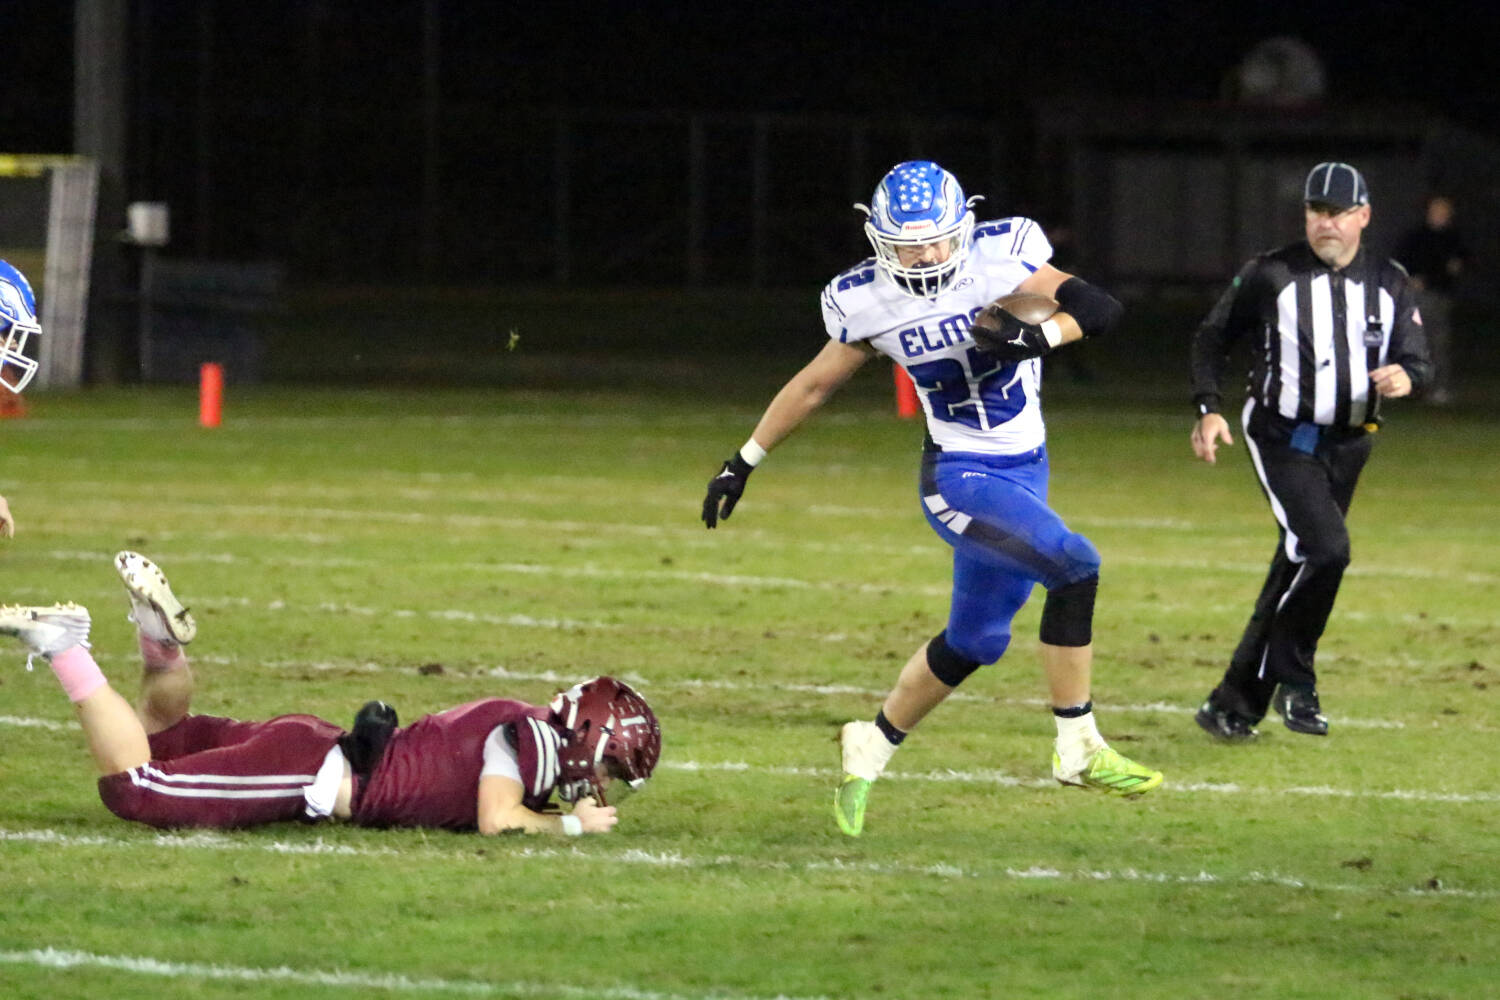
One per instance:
(491,765)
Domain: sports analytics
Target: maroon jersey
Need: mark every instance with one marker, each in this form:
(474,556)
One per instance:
(429,774)
(216,772)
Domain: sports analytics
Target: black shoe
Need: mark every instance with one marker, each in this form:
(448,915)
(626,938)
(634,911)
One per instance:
(1225,726)
(1298,708)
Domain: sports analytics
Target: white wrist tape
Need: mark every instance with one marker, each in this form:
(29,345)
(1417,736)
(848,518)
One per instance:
(572,825)
(752,453)
(1052,332)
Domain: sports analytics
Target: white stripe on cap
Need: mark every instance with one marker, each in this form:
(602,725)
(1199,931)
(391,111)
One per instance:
(1353,178)
(1328,168)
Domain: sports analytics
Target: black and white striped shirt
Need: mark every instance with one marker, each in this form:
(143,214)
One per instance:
(1315,334)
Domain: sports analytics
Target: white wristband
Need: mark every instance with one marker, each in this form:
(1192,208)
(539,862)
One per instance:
(572,825)
(1052,332)
(752,453)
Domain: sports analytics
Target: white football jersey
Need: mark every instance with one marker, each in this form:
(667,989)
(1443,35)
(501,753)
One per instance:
(972,403)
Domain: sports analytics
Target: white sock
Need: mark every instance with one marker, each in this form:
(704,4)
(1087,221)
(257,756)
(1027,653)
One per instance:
(1077,738)
(884,750)
(869,753)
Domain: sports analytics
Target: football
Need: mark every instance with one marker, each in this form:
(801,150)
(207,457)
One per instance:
(1027,307)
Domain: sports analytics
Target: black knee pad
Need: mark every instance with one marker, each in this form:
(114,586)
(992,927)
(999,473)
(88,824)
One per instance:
(1068,615)
(946,663)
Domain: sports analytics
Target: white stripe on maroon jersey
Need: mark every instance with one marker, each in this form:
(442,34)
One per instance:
(545,738)
(140,780)
(230,779)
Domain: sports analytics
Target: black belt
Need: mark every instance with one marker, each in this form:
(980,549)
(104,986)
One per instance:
(1301,435)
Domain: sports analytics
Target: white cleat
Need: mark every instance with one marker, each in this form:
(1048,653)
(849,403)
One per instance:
(154,609)
(46,631)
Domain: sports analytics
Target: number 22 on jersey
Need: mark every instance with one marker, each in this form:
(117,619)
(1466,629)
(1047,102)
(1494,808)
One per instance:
(977,391)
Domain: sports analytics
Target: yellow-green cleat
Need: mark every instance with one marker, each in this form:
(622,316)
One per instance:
(1109,772)
(849,804)
(863,751)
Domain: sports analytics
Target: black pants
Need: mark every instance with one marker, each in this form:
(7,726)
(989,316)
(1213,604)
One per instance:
(1308,474)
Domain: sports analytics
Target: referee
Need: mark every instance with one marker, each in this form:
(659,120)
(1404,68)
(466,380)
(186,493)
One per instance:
(1332,332)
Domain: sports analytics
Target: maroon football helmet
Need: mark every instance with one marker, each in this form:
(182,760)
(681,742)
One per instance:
(609,733)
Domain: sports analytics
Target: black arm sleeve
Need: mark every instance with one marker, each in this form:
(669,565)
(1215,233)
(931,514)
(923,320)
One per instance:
(1409,341)
(1094,310)
(1216,336)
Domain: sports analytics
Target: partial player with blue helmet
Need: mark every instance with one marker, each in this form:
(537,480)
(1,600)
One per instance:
(984,467)
(17,324)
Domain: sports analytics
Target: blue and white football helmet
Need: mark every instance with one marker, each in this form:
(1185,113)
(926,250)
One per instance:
(17,323)
(918,203)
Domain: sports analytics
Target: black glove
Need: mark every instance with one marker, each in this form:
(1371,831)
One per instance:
(1008,339)
(728,486)
(365,743)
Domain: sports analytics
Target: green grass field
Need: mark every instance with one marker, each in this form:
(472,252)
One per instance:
(432,547)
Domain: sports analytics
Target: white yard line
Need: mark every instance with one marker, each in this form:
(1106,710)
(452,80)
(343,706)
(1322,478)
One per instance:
(737,581)
(992,777)
(213,841)
(684,530)
(395,982)
(552,677)
(995,777)
(24,723)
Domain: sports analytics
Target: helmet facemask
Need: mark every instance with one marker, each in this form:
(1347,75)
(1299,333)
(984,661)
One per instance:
(919,204)
(611,741)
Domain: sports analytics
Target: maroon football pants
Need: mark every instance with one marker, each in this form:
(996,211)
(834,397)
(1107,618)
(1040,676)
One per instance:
(212,772)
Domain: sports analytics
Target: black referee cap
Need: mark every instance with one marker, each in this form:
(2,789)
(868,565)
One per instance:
(1336,184)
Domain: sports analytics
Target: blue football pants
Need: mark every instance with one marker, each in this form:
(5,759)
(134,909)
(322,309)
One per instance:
(993,510)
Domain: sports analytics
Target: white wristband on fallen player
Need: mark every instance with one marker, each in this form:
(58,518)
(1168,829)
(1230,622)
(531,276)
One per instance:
(752,453)
(572,825)
(1052,331)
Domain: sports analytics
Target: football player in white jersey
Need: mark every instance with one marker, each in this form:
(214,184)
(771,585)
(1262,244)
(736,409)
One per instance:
(984,465)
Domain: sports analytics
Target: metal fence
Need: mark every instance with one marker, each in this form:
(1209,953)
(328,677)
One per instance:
(1158,194)
(636,198)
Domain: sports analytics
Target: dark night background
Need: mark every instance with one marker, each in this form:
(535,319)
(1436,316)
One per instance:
(433,143)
